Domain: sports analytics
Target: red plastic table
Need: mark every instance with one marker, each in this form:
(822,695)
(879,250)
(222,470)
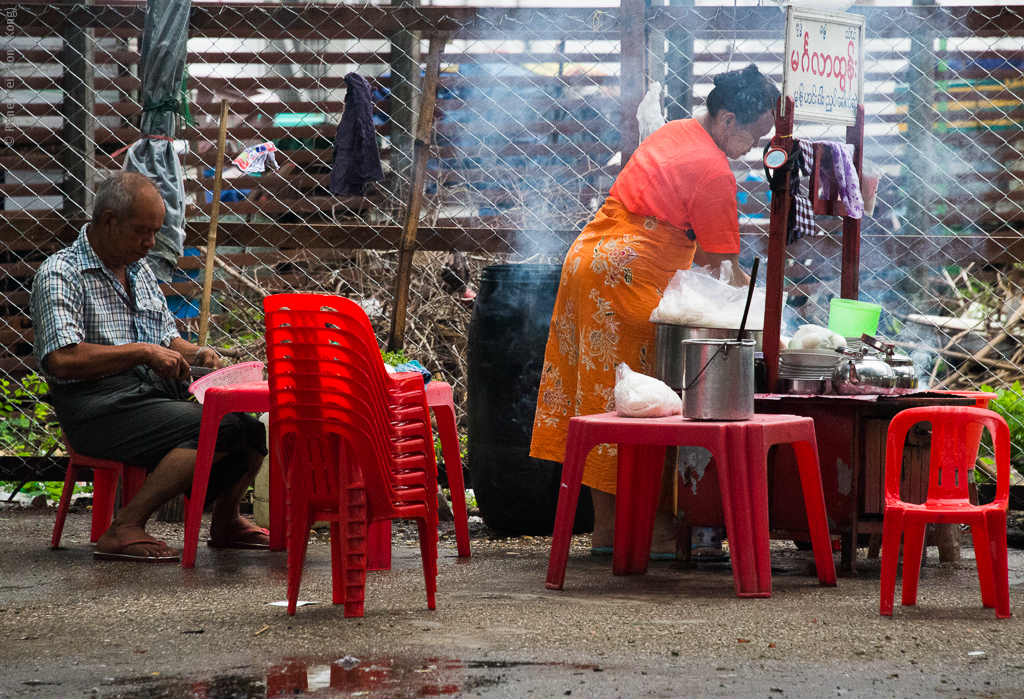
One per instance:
(741,449)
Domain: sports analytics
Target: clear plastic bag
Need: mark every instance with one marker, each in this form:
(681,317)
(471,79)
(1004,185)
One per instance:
(648,114)
(638,395)
(870,175)
(695,297)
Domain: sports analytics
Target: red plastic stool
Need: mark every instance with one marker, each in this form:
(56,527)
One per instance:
(104,489)
(740,450)
(951,457)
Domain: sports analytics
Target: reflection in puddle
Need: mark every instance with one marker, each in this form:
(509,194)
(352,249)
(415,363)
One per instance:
(345,676)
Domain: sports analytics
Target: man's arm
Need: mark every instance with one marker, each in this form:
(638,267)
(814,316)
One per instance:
(85,360)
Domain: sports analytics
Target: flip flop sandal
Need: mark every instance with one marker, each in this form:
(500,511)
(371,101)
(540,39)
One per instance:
(236,544)
(119,555)
(600,550)
(663,556)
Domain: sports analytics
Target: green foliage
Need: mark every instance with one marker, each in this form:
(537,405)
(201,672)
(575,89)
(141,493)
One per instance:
(394,358)
(51,489)
(26,427)
(1009,403)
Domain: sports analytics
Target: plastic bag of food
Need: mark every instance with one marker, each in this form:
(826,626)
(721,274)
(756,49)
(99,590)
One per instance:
(648,114)
(695,297)
(638,395)
(815,337)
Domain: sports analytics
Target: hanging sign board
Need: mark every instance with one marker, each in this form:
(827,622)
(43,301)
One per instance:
(824,64)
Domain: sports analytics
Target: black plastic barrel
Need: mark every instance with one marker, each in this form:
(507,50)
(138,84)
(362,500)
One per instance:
(516,494)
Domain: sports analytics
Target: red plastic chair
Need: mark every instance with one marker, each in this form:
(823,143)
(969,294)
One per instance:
(951,459)
(740,450)
(344,457)
(104,489)
(439,400)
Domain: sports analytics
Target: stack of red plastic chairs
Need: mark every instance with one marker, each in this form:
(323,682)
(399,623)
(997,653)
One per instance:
(355,442)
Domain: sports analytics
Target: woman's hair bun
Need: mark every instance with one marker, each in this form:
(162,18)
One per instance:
(748,93)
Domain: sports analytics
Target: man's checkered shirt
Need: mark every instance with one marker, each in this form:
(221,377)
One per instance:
(76,299)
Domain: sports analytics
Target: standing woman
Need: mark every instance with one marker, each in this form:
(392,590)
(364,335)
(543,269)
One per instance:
(675,199)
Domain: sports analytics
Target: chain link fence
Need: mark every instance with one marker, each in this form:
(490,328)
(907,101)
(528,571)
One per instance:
(533,111)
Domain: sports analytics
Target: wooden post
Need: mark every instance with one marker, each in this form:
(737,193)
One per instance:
(679,78)
(421,154)
(633,72)
(211,241)
(775,269)
(79,123)
(849,285)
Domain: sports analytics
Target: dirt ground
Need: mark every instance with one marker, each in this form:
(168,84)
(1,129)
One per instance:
(72,627)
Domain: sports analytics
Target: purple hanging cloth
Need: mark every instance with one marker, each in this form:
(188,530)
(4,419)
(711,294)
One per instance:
(847,179)
(356,156)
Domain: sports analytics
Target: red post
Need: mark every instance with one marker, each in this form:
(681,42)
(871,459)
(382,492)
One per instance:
(850,284)
(775,271)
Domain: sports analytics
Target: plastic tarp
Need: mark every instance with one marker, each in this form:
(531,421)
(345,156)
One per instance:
(163,66)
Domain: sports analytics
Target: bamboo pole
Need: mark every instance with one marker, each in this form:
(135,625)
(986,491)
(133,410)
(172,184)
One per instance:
(211,240)
(421,154)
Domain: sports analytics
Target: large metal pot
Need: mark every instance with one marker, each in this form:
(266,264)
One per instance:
(668,347)
(719,379)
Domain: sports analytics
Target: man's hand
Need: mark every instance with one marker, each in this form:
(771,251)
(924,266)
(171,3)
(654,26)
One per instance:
(166,363)
(206,357)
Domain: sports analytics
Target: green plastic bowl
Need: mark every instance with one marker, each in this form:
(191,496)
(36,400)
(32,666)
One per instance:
(853,318)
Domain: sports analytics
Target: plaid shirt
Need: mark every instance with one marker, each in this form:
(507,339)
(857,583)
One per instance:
(76,299)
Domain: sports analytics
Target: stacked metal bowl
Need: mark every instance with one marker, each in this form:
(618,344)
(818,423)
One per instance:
(806,371)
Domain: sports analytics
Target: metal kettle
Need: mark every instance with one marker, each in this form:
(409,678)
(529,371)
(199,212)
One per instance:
(859,373)
(906,374)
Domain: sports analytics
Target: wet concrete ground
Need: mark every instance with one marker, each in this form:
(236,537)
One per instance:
(71,627)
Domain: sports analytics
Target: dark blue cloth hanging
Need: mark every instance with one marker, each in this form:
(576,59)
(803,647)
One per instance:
(356,156)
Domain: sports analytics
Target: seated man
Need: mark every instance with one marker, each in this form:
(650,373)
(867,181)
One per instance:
(114,362)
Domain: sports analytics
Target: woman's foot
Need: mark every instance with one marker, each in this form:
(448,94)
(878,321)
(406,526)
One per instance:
(663,539)
(604,520)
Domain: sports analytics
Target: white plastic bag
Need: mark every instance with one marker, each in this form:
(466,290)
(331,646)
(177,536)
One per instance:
(637,395)
(815,337)
(648,114)
(695,297)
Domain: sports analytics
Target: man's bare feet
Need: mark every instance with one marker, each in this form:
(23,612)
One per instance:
(238,532)
(132,543)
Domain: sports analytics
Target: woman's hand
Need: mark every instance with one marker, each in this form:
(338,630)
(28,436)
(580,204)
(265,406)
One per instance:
(714,260)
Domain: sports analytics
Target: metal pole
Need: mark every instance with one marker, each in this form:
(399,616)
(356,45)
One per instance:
(633,80)
(405,72)
(679,78)
(919,161)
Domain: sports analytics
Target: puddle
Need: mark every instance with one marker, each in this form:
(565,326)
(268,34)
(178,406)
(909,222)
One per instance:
(343,676)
